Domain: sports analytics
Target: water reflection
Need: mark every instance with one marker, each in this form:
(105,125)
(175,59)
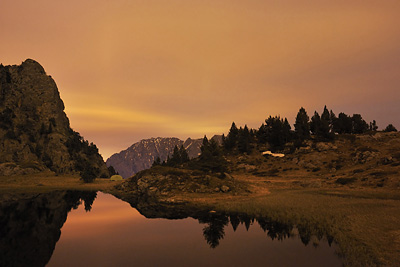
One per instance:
(214,232)
(216,222)
(30,225)
(30,228)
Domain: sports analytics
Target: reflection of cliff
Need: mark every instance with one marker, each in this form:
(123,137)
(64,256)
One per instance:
(214,230)
(30,226)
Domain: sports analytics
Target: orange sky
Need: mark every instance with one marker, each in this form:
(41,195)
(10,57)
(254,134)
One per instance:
(129,70)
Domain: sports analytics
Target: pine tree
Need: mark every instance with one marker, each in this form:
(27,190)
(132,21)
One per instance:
(359,125)
(315,123)
(262,134)
(231,139)
(211,157)
(175,159)
(157,162)
(277,132)
(244,140)
(184,156)
(325,126)
(302,125)
(372,126)
(343,124)
(322,126)
(390,128)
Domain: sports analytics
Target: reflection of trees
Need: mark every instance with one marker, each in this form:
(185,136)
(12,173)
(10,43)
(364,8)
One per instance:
(214,231)
(276,230)
(30,225)
(235,221)
(88,198)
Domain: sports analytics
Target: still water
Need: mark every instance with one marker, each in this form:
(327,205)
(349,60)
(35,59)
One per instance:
(113,233)
(96,229)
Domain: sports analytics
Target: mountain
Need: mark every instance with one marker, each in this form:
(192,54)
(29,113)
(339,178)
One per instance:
(141,155)
(35,133)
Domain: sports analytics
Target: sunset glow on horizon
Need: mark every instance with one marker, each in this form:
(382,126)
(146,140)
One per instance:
(129,70)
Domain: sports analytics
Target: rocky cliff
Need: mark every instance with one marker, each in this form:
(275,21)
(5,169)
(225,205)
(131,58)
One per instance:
(35,134)
(141,155)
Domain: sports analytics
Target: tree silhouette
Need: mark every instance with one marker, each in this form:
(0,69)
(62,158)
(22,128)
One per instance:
(372,126)
(343,124)
(244,140)
(359,125)
(88,198)
(302,125)
(390,128)
(156,162)
(211,157)
(276,131)
(184,156)
(232,138)
(214,231)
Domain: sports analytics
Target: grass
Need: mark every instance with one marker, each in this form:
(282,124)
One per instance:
(42,183)
(364,224)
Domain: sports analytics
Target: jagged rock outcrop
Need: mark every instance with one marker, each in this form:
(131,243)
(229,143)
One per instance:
(141,155)
(35,134)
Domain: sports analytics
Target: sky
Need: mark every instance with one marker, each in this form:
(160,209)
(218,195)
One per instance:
(130,70)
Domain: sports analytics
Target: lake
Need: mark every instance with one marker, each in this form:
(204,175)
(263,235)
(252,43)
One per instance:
(62,230)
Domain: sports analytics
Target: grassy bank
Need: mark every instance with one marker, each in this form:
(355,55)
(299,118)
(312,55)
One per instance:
(42,183)
(364,223)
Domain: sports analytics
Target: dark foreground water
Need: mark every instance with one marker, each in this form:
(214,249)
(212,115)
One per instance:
(105,231)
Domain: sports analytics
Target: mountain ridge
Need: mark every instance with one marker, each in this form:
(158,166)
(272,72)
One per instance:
(141,155)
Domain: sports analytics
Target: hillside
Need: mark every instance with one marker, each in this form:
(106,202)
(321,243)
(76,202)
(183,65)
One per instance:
(35,134)
(141,155)
(351,161)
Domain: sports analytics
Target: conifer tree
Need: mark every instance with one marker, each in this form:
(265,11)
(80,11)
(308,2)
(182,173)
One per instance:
(211,157)
(343,124)
(156,162)
(231,139)
(277,132)
(262,134)
(359,125)
(184,156)
(390,128)
(372,126)
(302,125)
(244,140)
(322,126)
(325,126)
(315,123)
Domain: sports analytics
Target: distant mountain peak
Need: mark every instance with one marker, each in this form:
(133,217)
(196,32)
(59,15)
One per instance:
(141,155)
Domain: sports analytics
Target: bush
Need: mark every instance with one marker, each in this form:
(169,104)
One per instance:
(88,175)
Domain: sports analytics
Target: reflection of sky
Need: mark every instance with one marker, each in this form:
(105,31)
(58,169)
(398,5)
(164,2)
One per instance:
(114,234)
(129,70)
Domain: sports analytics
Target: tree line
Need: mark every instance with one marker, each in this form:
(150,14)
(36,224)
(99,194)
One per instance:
(277,132)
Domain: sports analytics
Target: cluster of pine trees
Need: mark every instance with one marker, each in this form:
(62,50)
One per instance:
(277,132)
(179,156)
(211,158)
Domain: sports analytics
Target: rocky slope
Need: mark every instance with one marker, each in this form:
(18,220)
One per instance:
(367,161)
(35,134)
(141,155)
